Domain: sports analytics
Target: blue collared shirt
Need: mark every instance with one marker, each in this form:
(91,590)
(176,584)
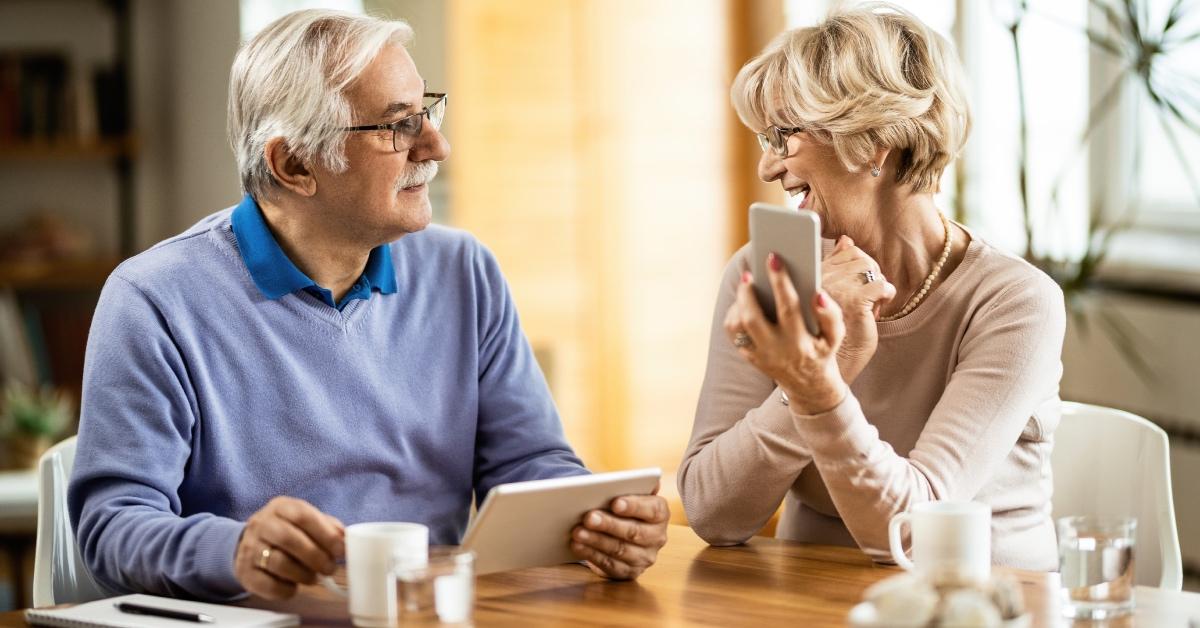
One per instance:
(276,275)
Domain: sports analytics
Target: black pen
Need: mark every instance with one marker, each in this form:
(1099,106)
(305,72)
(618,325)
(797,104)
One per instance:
(138,609)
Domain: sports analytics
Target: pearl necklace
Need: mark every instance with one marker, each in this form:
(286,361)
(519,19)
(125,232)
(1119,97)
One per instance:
(915,300)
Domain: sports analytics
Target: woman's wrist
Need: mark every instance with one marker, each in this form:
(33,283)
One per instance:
(816,395)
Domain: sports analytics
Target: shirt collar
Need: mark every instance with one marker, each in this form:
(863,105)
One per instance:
(275,274)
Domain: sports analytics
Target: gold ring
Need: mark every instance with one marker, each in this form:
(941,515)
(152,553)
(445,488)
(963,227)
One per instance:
(264,557)
(742,340)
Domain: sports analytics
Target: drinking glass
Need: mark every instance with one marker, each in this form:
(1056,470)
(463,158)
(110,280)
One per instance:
(1096,561)
(438,592)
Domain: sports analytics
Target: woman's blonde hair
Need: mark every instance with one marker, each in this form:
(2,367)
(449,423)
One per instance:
(869,77)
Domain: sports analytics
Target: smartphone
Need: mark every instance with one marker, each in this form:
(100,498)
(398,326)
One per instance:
(795,236)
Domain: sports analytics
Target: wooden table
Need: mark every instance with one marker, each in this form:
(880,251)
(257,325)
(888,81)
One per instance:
(765,583)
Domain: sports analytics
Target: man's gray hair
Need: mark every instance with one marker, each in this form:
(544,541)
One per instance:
(290,80)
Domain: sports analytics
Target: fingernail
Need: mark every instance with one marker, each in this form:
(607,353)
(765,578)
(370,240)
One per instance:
(822,300)
(619,505)
(582,535)
(747,277)
(774,262)
(594,519)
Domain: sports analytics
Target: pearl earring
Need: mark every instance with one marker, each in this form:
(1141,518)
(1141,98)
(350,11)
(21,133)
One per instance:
(874,169)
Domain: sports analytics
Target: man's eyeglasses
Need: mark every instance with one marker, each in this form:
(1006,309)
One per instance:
(775,138)
(406,130)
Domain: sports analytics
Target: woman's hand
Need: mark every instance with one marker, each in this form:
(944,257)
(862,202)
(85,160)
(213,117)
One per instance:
(844,277)
(805,367)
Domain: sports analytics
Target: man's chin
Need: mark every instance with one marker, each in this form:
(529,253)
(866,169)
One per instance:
(412,217)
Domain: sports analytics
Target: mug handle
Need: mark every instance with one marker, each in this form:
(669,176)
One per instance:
(894,540)
(329,583)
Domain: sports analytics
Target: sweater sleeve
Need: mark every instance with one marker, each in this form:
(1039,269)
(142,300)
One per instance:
(519,436)
(1009,363)
(137,417)
(745,450)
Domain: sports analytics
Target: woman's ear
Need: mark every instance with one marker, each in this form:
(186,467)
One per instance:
(289,171)
(879,161)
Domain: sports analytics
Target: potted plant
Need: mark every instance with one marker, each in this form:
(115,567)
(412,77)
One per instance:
(1139,45)
(31,419)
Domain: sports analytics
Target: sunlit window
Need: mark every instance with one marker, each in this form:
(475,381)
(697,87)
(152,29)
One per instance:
(255,14)
(1167,183)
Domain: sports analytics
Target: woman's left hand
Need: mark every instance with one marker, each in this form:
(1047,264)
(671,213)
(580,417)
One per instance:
(804,366)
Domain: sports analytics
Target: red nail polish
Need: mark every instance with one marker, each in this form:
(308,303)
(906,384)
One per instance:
(747,277)
(822,300)
(774,262)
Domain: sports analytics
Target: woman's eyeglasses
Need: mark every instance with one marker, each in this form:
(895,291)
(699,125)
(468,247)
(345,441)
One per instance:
(775,138)
(406,130)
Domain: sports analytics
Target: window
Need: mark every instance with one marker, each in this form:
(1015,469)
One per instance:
(1166,195)
(256,14)
(1064,75)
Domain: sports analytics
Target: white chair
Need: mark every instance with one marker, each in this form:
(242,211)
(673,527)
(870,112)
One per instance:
(1111,462)
(59,575)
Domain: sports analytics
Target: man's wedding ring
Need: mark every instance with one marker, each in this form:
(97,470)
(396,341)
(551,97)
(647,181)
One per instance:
(742,340)
(868,276)
(264,557)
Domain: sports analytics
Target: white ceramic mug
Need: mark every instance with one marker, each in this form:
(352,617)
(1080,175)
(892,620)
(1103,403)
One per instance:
(951,541)
(373,550)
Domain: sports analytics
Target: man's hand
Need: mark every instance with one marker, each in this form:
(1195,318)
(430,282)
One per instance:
(286,544)
(623,542)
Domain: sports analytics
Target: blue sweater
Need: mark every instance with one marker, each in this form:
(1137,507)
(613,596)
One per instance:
(203,399)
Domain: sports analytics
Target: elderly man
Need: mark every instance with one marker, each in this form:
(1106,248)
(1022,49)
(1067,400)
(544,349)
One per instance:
(319,353)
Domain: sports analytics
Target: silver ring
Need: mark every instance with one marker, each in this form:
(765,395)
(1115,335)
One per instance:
(263,557)
(868,276)
(742,340)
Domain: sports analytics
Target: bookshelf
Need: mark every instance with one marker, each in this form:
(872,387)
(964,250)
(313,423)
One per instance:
(59,106)
(83,274)
(124,147)
(65,109)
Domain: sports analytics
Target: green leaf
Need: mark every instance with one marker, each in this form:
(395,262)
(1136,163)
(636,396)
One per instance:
(1110,14)
(1135,28)
(1105,43)
(1179,154)
(1128,342)
(1173,16)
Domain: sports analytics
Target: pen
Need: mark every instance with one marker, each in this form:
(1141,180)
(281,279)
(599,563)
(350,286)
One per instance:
(138,609)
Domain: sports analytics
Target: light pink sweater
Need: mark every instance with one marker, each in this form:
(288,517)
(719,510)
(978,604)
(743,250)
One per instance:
(960,402)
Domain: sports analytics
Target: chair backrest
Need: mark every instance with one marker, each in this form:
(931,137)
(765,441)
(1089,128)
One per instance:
(59,575)
(1111,462)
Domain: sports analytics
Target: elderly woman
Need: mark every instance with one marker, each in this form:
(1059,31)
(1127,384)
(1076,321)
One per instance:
(936,373)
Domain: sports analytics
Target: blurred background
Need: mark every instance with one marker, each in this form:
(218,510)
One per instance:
(595,152)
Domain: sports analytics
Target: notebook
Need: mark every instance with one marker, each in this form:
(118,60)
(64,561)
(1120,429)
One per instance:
(104,614)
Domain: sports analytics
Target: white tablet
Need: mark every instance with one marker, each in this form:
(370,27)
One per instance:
(528,524)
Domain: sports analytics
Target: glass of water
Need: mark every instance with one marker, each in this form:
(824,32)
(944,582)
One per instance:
(1096,561)
(437,592)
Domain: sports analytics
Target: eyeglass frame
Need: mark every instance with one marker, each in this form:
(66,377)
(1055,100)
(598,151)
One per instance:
(781,135)
(394,127)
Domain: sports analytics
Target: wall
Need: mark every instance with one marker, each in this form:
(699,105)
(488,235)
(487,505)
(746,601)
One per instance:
(591,156)
(1167,334)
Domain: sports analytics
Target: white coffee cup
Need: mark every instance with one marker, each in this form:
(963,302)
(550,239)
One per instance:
(951,541)
(373,550)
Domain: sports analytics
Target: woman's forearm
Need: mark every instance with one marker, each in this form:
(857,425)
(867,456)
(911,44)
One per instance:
(732,482)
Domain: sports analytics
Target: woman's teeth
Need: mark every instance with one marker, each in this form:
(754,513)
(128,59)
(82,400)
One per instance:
(800,195)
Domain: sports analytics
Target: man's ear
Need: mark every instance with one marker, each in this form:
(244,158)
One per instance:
(289,171)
